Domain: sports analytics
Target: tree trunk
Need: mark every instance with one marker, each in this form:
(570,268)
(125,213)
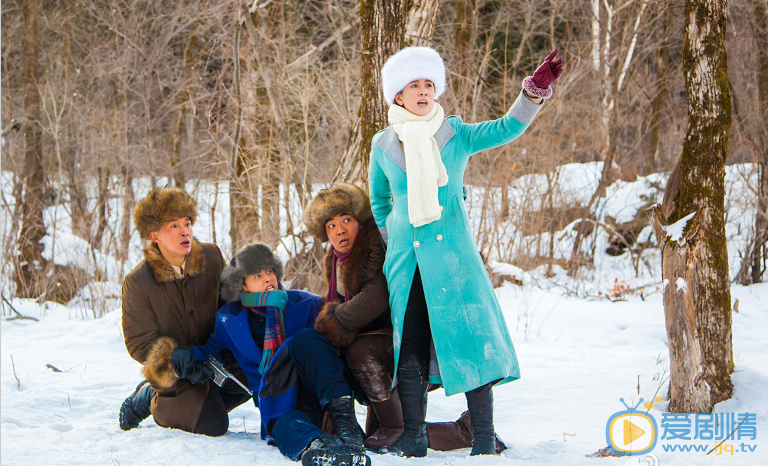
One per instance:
(129,200)
(382,33)
(182,139)
(30,276)
(277,158)
(702,185)
(759,250)
(421,22)
(657,103)
(234,155)
(103,179)
(688,391)
(462,36)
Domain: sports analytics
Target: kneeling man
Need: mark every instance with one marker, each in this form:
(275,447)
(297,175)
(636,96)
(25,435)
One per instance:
(174,292)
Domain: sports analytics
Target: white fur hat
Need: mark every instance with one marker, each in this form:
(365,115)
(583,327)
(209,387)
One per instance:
(409,64)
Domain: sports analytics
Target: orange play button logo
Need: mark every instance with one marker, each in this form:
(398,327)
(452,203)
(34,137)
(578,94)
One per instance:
(631,432)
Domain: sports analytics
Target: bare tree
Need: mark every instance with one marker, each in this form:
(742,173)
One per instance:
(699,263)
(381,35)
(759,250)
(688,391)
(30,275)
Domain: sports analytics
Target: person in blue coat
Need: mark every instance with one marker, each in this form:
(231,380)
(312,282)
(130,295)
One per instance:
(441,299)
(295,374)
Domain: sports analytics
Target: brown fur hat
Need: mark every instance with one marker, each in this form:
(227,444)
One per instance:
(162,205)
(341,198)
(158,369)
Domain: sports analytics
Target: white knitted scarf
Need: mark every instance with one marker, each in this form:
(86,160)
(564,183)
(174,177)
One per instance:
(425,171)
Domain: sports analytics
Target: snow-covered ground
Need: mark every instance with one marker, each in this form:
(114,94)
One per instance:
(578,358)
(579,353)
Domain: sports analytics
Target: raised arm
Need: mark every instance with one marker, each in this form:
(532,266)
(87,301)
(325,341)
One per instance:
(493,133)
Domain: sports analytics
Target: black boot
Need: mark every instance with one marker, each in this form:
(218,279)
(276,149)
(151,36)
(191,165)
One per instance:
(413,386)
(331,452)
(480,404)
(135,408)
(345,426)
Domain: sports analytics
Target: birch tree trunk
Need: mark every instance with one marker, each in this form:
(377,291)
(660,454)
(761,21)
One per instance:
(702,185)
(30,273)
(688,391)
(421,22)
(611,69)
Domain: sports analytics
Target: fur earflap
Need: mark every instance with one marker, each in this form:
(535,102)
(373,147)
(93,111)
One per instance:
(158,369)
(338,199)
(160,206)
(250,260)
(409,64)
(327,324)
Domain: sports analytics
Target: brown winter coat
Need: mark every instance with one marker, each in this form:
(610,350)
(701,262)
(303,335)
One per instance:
(156,304)
(362,275)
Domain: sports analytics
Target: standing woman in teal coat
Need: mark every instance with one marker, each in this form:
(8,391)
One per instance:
(442,302)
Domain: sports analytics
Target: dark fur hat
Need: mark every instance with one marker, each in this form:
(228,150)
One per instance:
(162,205)
(250,260)
(341,198)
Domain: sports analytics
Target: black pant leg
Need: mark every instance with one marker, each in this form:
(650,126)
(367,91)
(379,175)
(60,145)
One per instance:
(213,420)
(417,334)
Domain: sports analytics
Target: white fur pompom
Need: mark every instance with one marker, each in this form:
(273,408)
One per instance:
(409,64)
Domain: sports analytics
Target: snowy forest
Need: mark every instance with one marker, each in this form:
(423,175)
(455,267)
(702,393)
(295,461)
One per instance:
(625,232)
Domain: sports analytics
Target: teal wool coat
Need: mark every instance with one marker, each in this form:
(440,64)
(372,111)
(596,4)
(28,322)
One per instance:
(470,335)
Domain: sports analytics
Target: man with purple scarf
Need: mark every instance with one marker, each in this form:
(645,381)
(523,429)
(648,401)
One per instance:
(295,373)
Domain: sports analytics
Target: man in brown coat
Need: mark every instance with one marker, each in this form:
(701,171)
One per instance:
(174,292)
(356,319)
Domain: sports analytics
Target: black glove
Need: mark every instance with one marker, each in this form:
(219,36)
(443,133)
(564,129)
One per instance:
(187,367)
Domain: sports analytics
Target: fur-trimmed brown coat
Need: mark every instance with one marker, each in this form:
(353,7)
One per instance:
(156,304)
(362,275)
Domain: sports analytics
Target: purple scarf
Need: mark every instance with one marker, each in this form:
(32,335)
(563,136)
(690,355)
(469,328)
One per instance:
(341,258)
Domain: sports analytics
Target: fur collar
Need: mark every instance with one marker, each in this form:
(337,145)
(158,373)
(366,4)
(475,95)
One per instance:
(195,262)
(365,262)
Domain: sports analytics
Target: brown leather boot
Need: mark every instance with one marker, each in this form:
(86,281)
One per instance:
(390,417)
(447,436)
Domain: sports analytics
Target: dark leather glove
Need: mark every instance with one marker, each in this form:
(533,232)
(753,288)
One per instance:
(187,367)
(548,71)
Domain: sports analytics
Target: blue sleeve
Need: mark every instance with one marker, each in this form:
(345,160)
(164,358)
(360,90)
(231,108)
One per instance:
(314,311)
(381,195)
(485,135)
(216,342)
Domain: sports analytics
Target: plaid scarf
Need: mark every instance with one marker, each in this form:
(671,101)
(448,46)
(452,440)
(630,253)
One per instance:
(268,304)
